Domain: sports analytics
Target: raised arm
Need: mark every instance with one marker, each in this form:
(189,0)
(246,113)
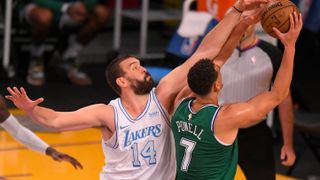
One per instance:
(90,116)
(210,46)
(246,114)
(247,18)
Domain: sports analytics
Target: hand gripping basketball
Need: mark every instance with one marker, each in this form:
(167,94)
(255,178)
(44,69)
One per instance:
(276,14)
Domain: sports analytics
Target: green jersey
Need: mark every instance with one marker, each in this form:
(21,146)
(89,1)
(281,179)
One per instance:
(199,154)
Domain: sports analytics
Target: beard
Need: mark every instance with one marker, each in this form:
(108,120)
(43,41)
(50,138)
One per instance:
(143,87)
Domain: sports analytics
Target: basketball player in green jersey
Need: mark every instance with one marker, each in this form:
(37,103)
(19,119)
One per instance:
(205,134)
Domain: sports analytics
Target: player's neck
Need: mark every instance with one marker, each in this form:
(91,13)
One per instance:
(134,104)
(199,102)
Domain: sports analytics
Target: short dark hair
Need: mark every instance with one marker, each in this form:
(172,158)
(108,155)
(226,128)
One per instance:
(201,76)
(114,71)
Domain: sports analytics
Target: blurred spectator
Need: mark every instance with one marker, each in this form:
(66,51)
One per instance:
(81,19)
(309,41)
(307,56)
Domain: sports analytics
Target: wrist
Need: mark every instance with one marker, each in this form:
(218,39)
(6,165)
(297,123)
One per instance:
(49,151)
(237,9)
(289,47)
(244,24)
(288,144)
(30,111)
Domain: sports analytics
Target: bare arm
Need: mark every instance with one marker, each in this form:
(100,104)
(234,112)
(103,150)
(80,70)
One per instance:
(90,116)
(185,92)
(287,154)
(247,18)
(210,46)
(246,114)
(87,117)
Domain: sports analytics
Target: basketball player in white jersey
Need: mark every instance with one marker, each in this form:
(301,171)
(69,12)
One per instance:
(137,140)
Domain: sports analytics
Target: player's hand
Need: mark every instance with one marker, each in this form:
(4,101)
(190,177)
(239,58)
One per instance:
(287,156)
(58,156)
(21,99)
(244,5)
(289,38)
(252,17)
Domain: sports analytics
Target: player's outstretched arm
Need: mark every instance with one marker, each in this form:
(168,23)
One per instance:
(96,115)
(59,156)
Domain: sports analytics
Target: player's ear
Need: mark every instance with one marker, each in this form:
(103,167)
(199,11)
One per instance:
(217,86)
(121,82)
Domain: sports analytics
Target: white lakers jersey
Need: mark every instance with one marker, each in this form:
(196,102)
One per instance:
(141,148)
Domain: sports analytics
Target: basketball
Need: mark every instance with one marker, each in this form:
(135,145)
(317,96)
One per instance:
(276,14)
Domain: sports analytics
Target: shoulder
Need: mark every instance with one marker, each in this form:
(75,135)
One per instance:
(105,107)
(232,111)
(104,112)
(99,106)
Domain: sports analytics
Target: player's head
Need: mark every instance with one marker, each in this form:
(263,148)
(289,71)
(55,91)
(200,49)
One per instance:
(203,76)
(126,71)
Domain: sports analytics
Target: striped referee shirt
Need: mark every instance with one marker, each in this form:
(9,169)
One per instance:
(249,72)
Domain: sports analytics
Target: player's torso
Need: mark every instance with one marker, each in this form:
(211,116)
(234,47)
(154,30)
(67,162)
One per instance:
(198,153)
(141,148)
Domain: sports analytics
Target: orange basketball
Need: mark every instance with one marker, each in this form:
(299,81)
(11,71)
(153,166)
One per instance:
(276,14)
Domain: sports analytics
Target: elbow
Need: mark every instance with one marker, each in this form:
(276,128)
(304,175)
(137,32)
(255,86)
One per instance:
(280,97)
